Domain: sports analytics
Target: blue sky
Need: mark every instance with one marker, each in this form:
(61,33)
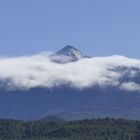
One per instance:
(97,27)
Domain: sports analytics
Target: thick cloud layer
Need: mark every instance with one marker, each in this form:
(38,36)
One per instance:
(39,70)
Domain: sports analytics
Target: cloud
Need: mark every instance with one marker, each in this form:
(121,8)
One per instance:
(38,70)
(131,86)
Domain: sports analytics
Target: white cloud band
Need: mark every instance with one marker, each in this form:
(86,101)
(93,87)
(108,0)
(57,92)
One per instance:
(38,70)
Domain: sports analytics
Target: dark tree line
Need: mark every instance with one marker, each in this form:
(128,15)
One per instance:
(96,129)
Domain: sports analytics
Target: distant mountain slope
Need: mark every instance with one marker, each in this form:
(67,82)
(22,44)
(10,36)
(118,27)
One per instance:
(69,103)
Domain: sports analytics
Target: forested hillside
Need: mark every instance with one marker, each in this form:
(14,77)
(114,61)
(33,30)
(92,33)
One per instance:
(96,129)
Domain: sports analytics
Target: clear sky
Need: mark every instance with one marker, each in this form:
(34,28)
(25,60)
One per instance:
(96,27)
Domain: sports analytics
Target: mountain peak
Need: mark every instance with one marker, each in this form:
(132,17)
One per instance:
(68,47)
(68,54)
(70,51)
